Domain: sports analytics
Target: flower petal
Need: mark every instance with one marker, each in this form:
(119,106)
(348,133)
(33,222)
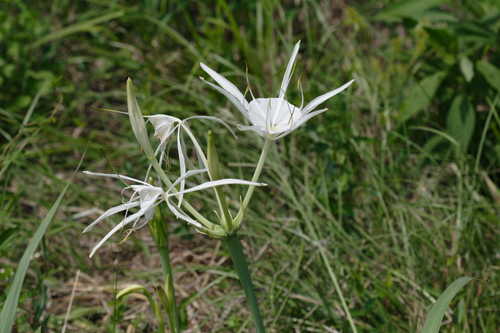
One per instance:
(115,175)
(308,116)
(182,164)
(179,213)
(147,194)
(288,71)
(119,226)
(112,211)
(225,84)
(240,106)
(188,174)
(320,99)
(163,125)
(196,144)
(214,183)
(220,121)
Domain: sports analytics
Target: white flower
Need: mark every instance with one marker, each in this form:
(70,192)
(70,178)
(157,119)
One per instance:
(271,117)
(145,197)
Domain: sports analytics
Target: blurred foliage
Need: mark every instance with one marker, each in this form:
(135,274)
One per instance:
(401,214)
(456,47)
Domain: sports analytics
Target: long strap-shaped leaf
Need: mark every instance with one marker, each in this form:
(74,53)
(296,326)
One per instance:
(8,314)
(436,313)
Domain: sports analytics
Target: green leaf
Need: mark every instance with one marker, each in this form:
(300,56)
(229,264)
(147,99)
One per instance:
(467,68)
(490,73)
(444,42)
(6,235)
(436,313)
(8,314)
(407,8)
(133,289)
(420,96)
(461,121)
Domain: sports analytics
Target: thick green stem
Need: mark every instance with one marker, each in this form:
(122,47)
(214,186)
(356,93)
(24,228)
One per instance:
(240,265)
(160,234)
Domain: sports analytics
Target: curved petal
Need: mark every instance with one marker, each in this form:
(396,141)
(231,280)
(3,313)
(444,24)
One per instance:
(115,175)
(196,144)
(224,83)
(112,211)
(308,116)
(218,120)
(182,164)
(163,125)
(288,71)
(220,182)
(186,175)
(240,106)
(180,214)
(320,99)
(120,225)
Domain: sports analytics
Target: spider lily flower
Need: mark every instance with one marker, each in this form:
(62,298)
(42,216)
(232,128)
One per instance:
(145,197)
(272,117)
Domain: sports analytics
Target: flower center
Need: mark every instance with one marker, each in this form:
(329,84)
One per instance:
(273,114)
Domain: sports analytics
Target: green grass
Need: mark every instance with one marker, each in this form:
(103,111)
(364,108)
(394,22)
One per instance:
(399,212)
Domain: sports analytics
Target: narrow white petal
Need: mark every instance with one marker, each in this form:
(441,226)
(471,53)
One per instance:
(224,83)
(220,182)
(300,122)
(112,211)
(320,99)
(239,105)
(162,119)
(182,164)
(119,226)
(197,146)
(288,71)
(308,116)
(220,121)
(180,214)
(188,174)
(115,175)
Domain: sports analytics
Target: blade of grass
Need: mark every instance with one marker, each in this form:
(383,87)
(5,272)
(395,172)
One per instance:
(7,316)
(436,313)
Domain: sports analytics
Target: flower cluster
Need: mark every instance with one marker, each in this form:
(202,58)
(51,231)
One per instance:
(145,196)
(271,118)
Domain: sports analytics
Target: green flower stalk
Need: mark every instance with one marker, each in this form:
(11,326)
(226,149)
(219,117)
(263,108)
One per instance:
(271,118)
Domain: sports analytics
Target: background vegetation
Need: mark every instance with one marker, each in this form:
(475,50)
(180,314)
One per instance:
(398,181)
